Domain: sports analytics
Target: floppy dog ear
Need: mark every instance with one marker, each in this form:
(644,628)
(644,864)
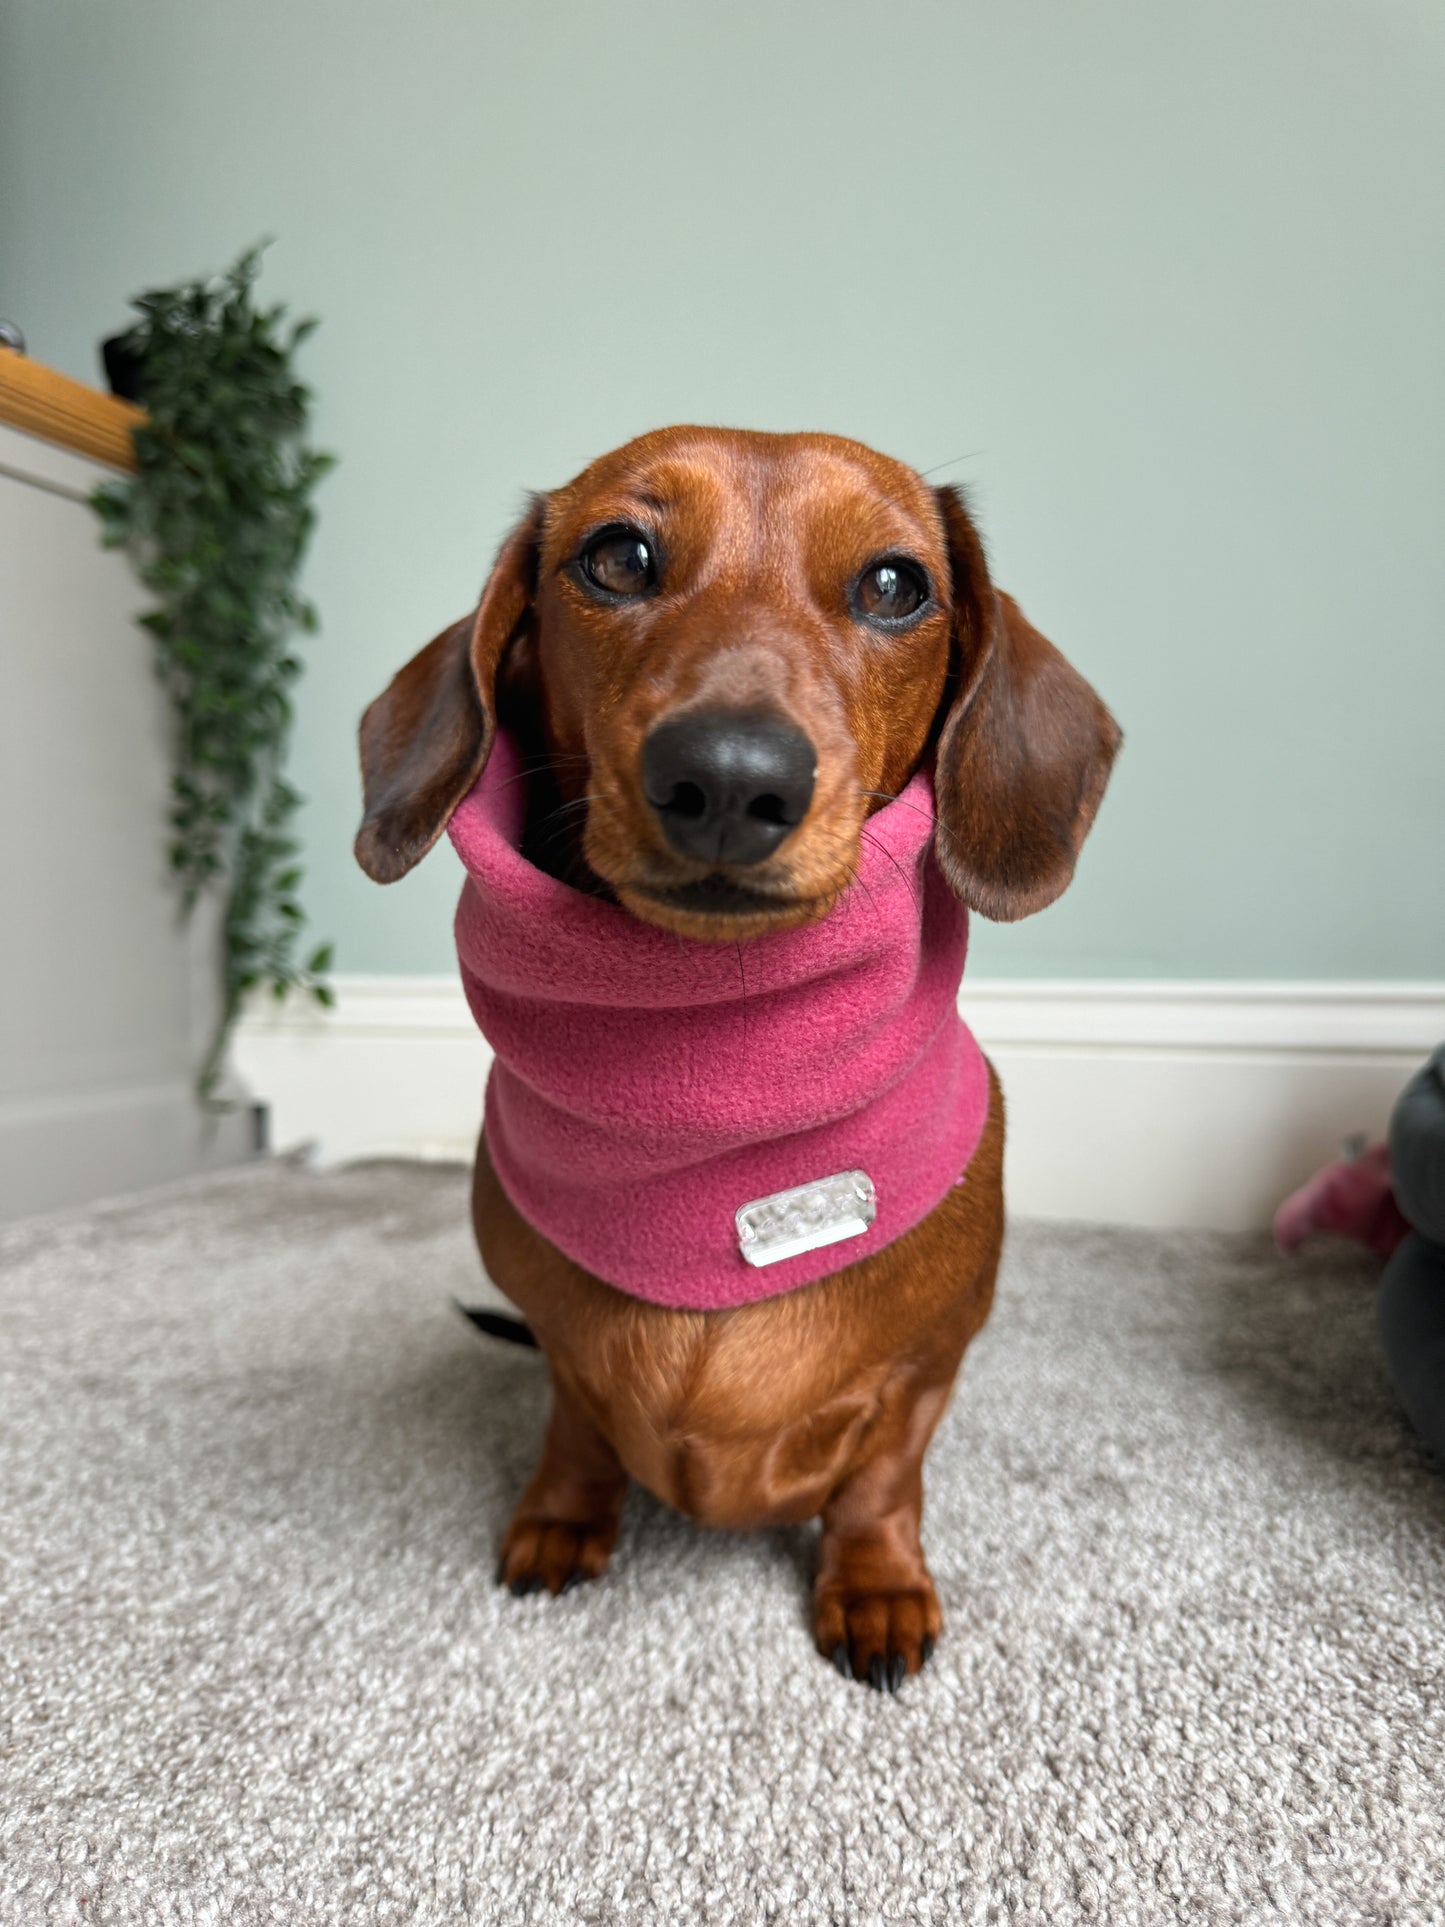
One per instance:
(427,737)
(1024,752)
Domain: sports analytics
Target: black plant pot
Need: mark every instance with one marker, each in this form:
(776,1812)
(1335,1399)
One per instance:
(124,368)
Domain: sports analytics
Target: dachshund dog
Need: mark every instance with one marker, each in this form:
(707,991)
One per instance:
(719,654)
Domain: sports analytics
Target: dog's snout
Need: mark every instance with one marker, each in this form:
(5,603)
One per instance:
(727,786)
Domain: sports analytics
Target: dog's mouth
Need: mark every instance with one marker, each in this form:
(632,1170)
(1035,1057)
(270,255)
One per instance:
(717,907)
(722,896)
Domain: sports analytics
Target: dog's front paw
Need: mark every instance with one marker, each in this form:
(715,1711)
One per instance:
(554,1554)
(877,1634)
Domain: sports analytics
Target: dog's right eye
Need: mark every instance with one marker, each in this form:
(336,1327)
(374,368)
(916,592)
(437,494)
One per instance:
(620,561)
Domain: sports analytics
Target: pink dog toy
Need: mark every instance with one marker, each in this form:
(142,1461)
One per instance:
(1351,1196)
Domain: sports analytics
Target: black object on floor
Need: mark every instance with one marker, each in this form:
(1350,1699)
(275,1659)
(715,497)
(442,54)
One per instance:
(496,1324)
(1410,1307)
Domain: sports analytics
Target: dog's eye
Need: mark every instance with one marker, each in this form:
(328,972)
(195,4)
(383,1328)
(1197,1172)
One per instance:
(891,590)
(620,561)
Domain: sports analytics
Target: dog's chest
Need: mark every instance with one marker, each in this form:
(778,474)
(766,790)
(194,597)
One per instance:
(735,1418)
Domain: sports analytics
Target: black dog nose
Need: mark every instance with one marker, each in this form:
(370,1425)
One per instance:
(727,785)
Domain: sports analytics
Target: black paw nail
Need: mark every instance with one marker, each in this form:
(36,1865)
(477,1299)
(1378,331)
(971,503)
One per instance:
(571,1582)
(529,1582)
(897,1672)
(501,1571)
(877,1677)
(840,1660)
(927,1650)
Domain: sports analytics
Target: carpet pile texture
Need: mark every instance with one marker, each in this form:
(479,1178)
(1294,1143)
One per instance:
(253,1668)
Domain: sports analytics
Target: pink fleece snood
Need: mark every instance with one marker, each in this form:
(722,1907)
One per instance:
(646,1086)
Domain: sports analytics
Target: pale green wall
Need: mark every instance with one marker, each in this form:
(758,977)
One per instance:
(1168,277)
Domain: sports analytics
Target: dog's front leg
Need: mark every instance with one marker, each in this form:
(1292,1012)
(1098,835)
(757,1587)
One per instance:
(565,1525)
(875,1612)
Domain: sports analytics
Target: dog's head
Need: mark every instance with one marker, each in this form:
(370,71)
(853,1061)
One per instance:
(731,648)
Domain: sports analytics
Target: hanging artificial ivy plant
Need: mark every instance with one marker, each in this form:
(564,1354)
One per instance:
(216,520)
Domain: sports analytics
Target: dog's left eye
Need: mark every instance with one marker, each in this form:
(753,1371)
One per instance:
(891,590)
(620,561)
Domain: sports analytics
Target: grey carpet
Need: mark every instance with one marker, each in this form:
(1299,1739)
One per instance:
(253,1667)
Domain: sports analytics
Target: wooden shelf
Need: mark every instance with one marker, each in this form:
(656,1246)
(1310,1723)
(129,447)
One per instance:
(60,410)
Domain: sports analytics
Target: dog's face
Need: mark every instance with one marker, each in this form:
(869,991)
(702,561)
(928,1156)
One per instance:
(731,649)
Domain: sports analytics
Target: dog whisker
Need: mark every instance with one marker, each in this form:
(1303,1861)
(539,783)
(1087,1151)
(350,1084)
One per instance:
(874,844)
(938,823)
(872,900)
(952,462)
(540,765)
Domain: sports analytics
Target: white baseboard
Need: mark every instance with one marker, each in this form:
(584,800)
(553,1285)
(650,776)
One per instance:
(71,1147)
(1138,1103)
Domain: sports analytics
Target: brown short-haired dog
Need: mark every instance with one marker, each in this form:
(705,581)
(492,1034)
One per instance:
(742,583)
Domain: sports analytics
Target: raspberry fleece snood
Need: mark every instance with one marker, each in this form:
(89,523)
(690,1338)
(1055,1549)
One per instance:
(645,1086)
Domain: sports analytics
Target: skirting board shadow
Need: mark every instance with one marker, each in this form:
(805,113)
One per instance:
(1163,1104)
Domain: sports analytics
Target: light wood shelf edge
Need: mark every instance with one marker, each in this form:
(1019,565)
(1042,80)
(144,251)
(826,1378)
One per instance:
(43,402)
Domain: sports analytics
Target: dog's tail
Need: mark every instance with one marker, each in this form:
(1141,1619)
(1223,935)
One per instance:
(496,1324)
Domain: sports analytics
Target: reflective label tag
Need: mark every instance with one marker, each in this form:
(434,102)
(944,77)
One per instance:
(806,1218)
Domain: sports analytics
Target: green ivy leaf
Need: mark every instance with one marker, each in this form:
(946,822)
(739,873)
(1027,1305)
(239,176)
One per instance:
(216,519)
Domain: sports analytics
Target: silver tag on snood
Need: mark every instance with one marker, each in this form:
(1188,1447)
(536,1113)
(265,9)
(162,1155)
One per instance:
(809,1216)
